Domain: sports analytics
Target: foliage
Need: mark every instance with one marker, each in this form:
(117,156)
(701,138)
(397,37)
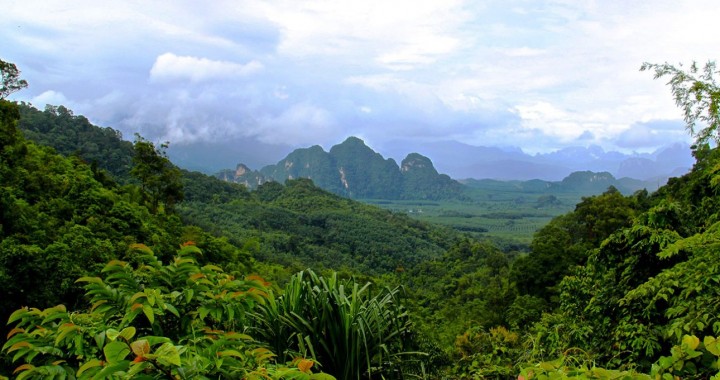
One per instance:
(58,222)
(690,359)
(299,225)
(491,354)
(69,134)
(149,320)
(159,179)
(568,368)
(466,287)
(697,93)
(354,332)
(566,240)
(11,81)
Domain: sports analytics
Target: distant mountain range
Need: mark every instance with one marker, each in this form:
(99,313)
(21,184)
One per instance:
(581,182)
(461,161)
(354,170)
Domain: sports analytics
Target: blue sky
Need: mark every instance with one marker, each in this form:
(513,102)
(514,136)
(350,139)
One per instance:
(539,75)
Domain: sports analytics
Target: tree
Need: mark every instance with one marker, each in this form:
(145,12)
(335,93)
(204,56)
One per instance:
(160,180)
(697,93)
(10,79)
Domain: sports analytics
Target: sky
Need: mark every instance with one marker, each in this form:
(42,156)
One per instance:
(540,75)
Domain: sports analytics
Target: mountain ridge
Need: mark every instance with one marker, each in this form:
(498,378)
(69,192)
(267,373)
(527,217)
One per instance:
(354,170)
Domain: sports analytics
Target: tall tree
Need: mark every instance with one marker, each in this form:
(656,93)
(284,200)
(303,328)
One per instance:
(160,180)
(11,81)
(697,93)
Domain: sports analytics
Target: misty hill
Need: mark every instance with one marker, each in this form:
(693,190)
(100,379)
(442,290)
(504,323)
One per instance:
(461,160)
(354,170)
(582,182)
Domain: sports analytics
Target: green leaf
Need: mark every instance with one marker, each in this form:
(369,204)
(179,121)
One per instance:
(140,347)
(234,353)
(112,368)
(148,311)
(153,340)
(100,339)
(168,354)
(321,376)
(116,351)
(17,314)
(65,330)
(90,364)
(712,345)
(92,280)
(665,362)
(127,333)
(112,334)
(691,341)
(136,296)
(172,309)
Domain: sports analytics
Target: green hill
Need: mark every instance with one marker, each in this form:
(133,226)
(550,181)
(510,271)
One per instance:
(351,169)
(297,224)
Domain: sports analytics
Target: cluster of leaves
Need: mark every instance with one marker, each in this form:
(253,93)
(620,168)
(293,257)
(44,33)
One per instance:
(149,320)
(697,93)
(690,359)
(160,181)
(353,331)
(487,354)
(10,79)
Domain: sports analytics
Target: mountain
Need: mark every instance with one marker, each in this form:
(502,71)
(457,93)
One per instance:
(461,160)
(584,182)
(354,170)
(295,224)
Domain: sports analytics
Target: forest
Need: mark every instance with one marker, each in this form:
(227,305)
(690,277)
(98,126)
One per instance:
(116,263)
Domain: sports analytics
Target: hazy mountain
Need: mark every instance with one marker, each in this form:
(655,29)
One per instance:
(466,161)
(456,159)
(584,182)
(354,170)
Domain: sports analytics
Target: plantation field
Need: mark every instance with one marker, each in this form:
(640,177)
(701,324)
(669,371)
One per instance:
(503,213)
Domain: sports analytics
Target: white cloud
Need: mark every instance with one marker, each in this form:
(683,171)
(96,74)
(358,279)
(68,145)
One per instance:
(169,66)
(424,68)
(50,97)
(300,125)
(402,33)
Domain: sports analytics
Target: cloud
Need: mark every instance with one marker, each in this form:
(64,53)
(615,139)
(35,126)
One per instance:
(400,34)
(300,125)
(541,75)
(50,97)
(652,134)
(169,66)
